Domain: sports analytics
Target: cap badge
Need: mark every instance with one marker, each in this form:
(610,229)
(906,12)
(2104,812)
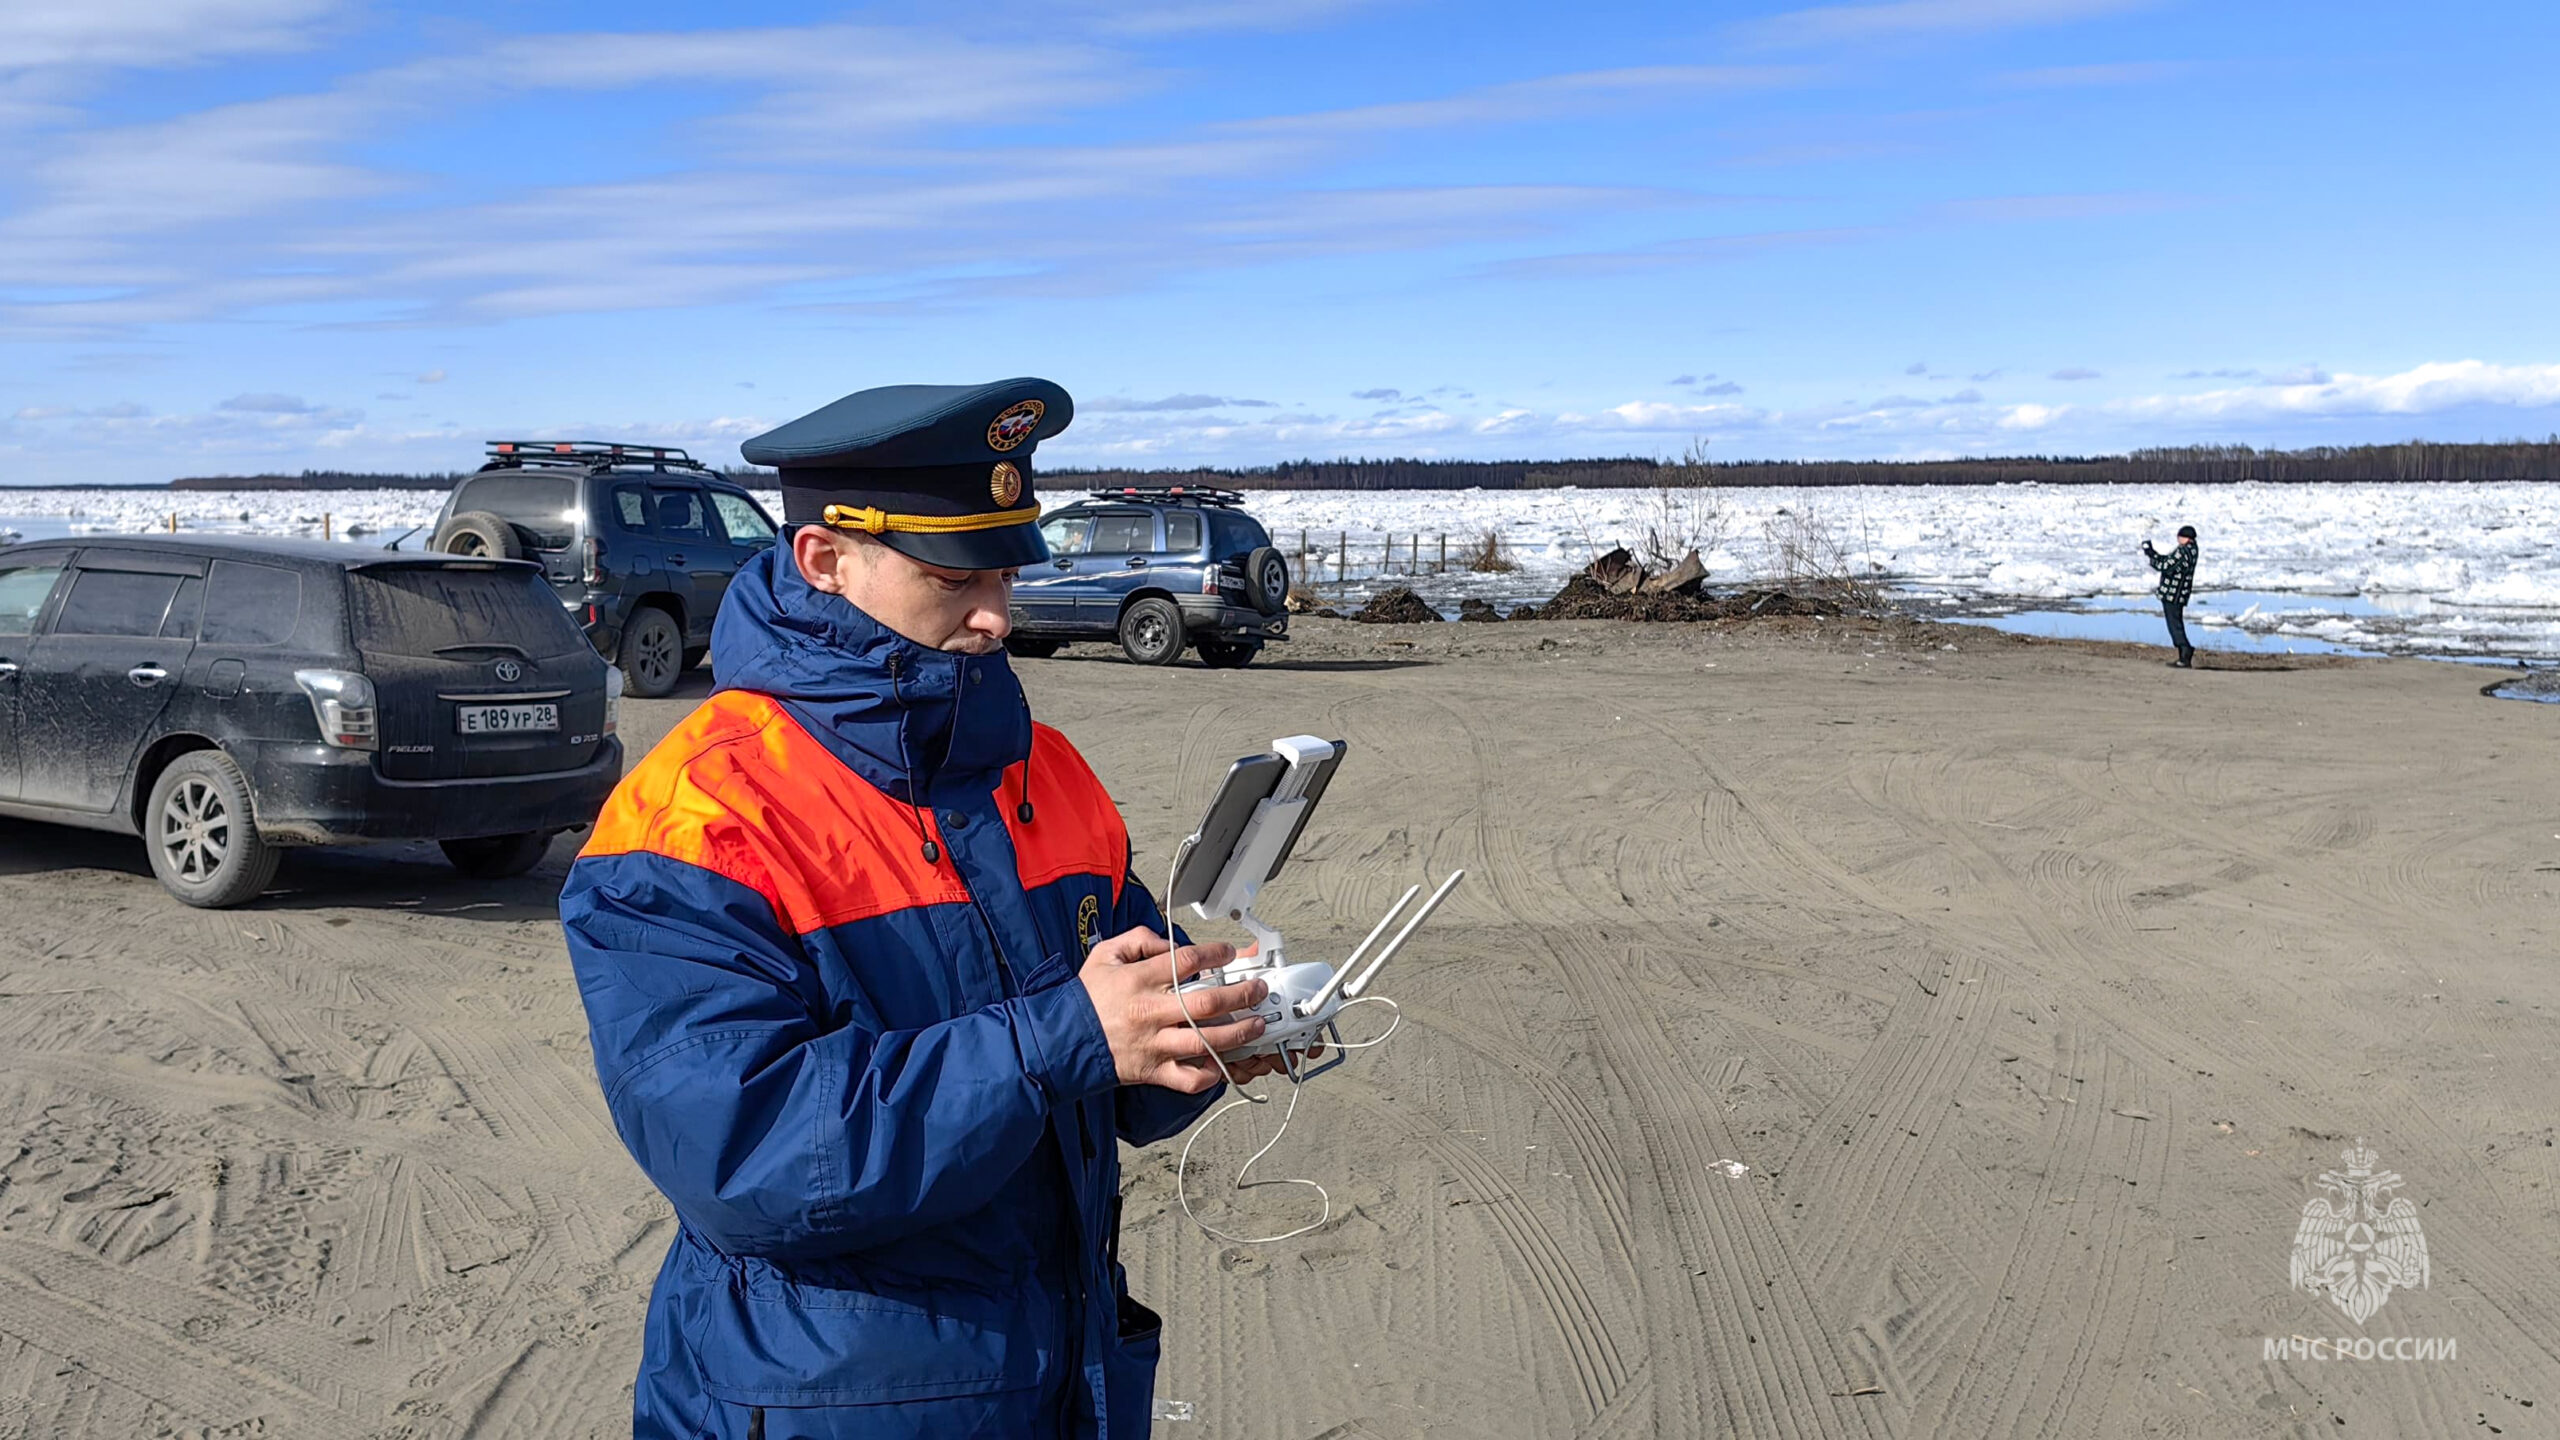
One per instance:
(1006,483)
(1015,425)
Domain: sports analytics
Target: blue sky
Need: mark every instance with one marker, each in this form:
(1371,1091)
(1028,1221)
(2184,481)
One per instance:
(239,235)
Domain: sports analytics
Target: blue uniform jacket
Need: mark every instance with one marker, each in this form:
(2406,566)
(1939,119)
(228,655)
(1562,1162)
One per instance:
(867,1078)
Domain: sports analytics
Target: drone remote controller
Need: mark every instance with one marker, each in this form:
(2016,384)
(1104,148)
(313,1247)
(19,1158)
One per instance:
(1252,825)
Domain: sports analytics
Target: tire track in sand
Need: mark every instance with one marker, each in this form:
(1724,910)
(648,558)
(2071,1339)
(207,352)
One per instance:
(1590,1343)
(1865,1156)
(2077,1270)
(1735,1296)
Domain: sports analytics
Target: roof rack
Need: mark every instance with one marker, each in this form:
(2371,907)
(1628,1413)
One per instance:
(583,455)
(1197,494)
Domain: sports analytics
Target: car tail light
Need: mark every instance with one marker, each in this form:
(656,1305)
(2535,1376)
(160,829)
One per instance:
(342,701)
(592,572)
(1209,580)
(612,698)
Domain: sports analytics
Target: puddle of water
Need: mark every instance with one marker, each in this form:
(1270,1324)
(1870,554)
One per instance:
(2233,620)
(2274,622)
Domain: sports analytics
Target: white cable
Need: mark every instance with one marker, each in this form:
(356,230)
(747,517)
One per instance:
(1392,1026)
(1243,1181)
(1173,967)
(1289,1061)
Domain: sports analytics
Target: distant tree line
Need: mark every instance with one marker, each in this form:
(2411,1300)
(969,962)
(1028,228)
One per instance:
(2162,465)
(352,480)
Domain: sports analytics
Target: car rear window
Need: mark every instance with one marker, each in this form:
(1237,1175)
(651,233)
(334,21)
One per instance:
(631,508)
(180,622)
(1238,532)
(680,515)
(251,604)
(1123,532)
(547,505)
(116,602)
(429,609)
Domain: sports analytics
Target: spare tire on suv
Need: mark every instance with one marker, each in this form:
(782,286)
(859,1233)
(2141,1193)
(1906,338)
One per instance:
(477,532)
(1266,580)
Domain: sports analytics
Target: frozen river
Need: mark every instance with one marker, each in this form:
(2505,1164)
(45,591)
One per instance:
(2470,571)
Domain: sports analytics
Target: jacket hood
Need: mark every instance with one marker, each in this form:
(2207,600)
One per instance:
(886,706)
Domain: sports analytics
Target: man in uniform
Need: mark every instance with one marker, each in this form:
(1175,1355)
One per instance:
(873,995)
(2177,582)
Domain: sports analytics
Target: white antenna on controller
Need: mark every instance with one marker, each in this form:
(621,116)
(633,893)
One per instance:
(1362,983)
(1324,997)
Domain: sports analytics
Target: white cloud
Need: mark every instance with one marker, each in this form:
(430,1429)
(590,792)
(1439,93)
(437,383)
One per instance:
(1172,17)
(269,404)
(1905,18)
(1524,101)
(2030,417)
(2081,77)
(40,34)
(2420,390)
(1661,416)
(1105,405)
(254,206)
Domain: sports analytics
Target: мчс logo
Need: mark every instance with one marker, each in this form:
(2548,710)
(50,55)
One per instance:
(2356,1244)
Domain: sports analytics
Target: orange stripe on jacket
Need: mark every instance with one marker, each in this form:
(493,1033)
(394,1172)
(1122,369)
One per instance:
(740,790)
(1074,829)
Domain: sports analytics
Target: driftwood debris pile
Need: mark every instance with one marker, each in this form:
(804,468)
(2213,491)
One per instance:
(1615,587)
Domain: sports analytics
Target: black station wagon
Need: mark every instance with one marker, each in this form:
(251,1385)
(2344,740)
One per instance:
(223,698)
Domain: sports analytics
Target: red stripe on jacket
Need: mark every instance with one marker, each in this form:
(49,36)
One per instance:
(738,788)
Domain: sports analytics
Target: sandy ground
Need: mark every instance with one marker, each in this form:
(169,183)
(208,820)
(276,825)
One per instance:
(2032,983)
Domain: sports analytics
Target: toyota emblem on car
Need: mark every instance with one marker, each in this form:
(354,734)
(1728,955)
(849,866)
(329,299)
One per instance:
(509,672)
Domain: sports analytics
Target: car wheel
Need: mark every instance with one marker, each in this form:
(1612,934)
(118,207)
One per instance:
(652,653)
(203,834)
(1031,649)
(1151,631)
(477,532)
(1228,654)
(1266,579)
(497,857)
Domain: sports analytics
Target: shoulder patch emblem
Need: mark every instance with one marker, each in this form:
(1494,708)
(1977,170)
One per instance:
(1089,923)
(1005,484)
(1015,425)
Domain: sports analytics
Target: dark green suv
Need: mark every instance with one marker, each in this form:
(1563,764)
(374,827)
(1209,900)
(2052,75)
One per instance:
(639,541)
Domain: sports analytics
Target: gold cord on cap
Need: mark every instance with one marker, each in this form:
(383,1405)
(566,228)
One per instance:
(872,522)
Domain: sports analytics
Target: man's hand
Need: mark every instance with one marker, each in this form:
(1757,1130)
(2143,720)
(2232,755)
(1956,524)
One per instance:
(1131,986)
(1254,1067)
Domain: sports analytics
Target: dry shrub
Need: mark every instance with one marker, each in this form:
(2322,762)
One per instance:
(1809,555)
(1490,555)
(1685,512)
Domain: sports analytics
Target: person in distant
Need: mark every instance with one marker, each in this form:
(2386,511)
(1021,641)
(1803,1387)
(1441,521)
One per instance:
(2177,582)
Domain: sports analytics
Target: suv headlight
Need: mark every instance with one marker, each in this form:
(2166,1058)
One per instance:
(612,698)
(342,701)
